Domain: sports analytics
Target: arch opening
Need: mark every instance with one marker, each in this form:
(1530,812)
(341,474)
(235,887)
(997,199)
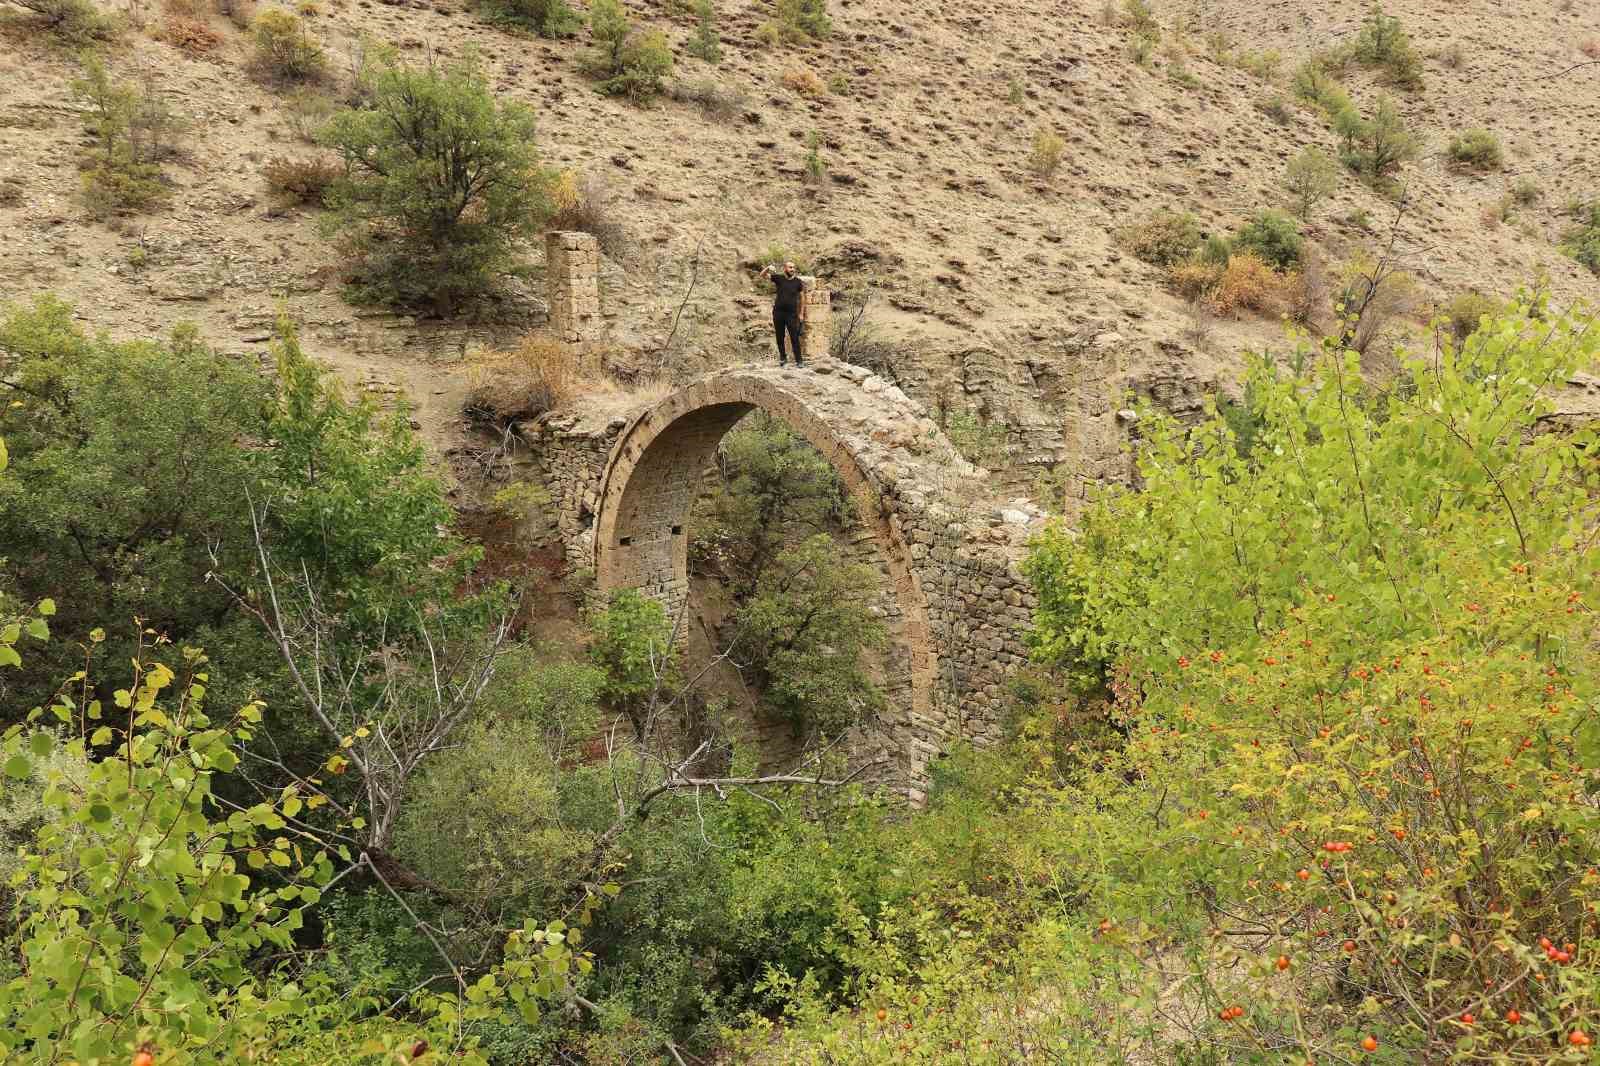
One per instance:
(645,521)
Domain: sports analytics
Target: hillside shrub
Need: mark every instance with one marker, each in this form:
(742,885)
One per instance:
(1248,283)
(1378,146)
(1525,192)
(134,132)
(802,20)
(1384,43)
(1309,178)
(1476,150)
(442,182)
(285,51)
(1582,241)
(1165,238)
(626,61)
(302,180)
(73,22)
(1044,158)
(547,18)
(1272,237)
(191,36)
(803,80)
(580,203)
(1466,313)
(706,43)
(715,101)
(538,375)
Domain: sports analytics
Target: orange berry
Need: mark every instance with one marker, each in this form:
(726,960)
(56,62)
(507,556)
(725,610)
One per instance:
(1304,875)
(1350,946)
(1369,1043)
(883,1015)
(1283,962)
(1579,1038)
(1467,1018)
(1513,1017)
(143,1058)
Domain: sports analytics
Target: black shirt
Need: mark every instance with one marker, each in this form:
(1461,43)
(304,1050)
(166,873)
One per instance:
(788,289)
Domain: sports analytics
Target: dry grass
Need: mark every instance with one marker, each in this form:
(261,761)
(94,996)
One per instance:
(803,80)
(1195,278)
(302,181)
(1247,284)
(540,374)
(581,205)
(190,36)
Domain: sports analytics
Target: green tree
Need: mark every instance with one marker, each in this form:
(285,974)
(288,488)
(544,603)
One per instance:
(1309,178)
(626,61)
(805,18)
(547,18)
(442,184)
(773,488)
(134,132)
(706,43)
(285,50)
(1476,150)
(803,634)
(633,646)
(1272,237)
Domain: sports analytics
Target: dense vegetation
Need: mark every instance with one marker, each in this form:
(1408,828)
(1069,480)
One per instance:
(1304,769)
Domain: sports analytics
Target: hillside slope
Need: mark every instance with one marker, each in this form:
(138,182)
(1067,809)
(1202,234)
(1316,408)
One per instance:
(993,289)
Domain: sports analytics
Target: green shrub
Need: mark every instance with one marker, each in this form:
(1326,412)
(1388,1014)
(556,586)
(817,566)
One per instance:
(75,22)
(1276,108)
(547,18)
(815,167)
(1384,43)
(1377,147)
(1582,241)
(1163,239)
(633,646)
(1272,237)
(627,62)
(1309,178)
(285,50)
(714,100)
(706,43)
(1526,192)
(1465,313)
(442,184)
(804,19)
(134,132)
(1476,150)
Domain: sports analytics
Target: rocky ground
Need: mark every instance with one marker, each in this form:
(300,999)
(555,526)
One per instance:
(992,289)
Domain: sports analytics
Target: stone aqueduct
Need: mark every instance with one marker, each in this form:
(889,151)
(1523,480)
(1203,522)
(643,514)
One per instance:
(956,605)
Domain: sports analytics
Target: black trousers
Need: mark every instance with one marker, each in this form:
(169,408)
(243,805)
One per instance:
(788,322)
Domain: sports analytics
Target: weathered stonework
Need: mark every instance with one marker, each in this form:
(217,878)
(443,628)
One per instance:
(817,309)
(624,493)
(572,272)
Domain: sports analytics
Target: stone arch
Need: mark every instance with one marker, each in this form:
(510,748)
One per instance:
(653,475)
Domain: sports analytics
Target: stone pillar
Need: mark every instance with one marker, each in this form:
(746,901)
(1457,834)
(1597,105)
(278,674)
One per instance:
(817,303)
(572,271)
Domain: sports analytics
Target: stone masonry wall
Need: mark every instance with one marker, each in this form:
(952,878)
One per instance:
(624,488)
(572,274)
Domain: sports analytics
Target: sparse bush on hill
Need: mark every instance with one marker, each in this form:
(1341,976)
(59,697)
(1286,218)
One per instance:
(799,20)
(715,101)
(1384,43)
(1376,147)
(134,133)
(76,22)
(803,80)
(1248,283)
(1526,192)
(580,203)
(706,43)
(1582,241)
(1464,314)
(626,61)
(1044,159)
(547,18)
(1309,178)
(1163,239)
(1313,82)
(303,180)
(1272,237)
(1476,150)
(442,183)
(285,49)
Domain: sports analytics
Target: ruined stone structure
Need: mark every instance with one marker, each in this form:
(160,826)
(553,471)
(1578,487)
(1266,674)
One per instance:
(957,606)
(817,308)
(572,274)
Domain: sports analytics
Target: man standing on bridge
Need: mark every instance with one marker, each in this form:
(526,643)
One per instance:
(787,310)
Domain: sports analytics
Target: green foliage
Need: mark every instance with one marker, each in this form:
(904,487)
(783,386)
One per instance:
(285,50)
(1309,178)
(1384,43)
(815,168)
(633,646)
(547,18)
(442,184)
(1476,150)
(706,43)
(1044,159)
(73,22)
(134,132)
(1272,237)
(628,62)
(1376,147)
(1467,312)
(1164,239)
(801,20)
(773,488)
(802,635)
(1582,241)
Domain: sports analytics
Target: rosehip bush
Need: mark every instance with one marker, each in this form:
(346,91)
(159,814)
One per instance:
(1355,672)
